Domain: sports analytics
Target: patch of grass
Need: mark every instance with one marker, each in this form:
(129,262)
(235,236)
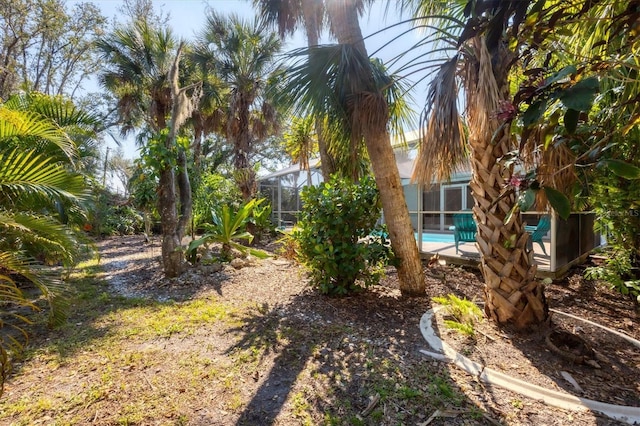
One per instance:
(441,389)
(163,320)
(406,392)
(29,406)
(235,402)
(301,407)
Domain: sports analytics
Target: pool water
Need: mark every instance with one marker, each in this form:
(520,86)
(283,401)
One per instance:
(436,238)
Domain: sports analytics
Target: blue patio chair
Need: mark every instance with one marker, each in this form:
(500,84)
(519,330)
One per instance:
(539,231)
(464,228)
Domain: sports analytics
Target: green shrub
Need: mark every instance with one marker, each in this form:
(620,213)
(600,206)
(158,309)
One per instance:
(615,203)
(332,234)
(108,215)
(123,220)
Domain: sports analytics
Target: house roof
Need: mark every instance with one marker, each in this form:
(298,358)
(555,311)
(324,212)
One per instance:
(313,165)
(405,161)
(405,167)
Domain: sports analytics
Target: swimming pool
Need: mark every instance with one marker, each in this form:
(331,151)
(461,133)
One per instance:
(436,238)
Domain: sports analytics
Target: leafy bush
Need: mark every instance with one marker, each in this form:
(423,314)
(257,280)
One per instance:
(332,234)
(143,185)
(109,217)
(615,202)
(617,271)
(123,220)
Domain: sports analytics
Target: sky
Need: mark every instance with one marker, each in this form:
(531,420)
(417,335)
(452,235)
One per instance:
(187,17)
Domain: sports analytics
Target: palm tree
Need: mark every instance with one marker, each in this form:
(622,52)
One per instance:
(341,82)
(38,189)
(487,38)
(301,143)
(143,76)
(244,56)
(288,15)
(139,58)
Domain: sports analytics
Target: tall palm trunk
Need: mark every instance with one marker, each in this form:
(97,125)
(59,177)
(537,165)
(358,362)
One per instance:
(512,294)
(171,253)
(371,113)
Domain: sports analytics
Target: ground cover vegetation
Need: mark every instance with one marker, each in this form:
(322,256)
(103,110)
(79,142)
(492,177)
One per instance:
(551,117)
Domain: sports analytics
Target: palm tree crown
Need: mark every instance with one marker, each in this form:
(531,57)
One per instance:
(243,54)
(140,59)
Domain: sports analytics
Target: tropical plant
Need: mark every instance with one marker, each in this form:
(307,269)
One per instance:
(301,142)
(143,75)
(465,313)
(341,83)
(38,194)
(227,228)
(261,219)
(513,104)
(288,17)
(213,191)
(614,200)
(142,186)
(332,239)
(243,54)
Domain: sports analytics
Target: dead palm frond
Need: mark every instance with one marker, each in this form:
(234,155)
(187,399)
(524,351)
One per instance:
(442,148)
(483,102)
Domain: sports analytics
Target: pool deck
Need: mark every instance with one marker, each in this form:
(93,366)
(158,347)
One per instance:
(468,253)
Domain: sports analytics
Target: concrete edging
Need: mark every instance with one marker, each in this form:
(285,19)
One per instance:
(563,400)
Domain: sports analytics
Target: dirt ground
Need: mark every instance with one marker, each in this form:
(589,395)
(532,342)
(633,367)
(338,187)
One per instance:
(354,360)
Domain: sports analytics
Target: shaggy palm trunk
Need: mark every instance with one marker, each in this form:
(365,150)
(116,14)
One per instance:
(167,207)
(512,294)
(372,116)
(173,222)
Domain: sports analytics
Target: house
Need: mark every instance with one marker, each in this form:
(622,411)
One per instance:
(568,242)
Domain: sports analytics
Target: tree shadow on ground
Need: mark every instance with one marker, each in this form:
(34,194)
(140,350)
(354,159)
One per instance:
(353,360)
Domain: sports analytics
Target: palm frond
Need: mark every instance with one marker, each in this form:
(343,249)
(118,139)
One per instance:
(442,141)
(30,125)
(28,173)
(62,111)
(38,236)
(484,101)
(13,337)
(53,290)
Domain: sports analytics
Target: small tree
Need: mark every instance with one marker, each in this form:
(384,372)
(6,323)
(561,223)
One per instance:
(335,220)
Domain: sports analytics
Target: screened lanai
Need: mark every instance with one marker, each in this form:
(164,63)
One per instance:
(282,189)
(432,210)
